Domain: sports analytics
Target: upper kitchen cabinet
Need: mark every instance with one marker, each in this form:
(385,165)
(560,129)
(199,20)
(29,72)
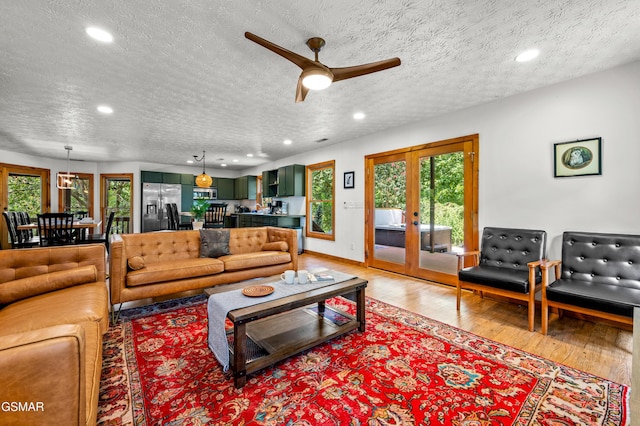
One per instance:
(291,181)
(270,183)
(226,188)
(245,188)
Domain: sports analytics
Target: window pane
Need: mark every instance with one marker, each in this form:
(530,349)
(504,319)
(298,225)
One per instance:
(25,193)
(322,216)
(322,184)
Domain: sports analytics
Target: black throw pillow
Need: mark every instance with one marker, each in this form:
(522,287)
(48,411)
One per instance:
(214,242)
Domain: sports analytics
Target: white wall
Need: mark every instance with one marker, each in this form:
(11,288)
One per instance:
(516,183)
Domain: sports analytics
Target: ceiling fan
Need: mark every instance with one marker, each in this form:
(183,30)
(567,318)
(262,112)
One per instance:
(315,75)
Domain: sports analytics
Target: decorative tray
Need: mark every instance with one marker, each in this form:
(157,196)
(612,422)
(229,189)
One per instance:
(257,290)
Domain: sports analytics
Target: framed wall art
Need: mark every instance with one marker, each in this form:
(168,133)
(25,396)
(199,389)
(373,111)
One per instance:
(349,180)
(577,158)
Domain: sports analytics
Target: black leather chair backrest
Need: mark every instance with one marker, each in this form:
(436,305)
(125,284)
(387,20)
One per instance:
(601,258)
(512,248)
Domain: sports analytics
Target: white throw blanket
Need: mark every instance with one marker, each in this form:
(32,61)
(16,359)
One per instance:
(220,304)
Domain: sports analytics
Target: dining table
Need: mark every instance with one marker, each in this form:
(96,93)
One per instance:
(79,225)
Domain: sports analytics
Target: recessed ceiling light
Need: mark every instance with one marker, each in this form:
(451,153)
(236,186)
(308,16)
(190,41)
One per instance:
(358,115)
(287,142)
(99,34)
(105,109)
(527,55)
(249,155)
(223,165)
(235,160)
(189,161)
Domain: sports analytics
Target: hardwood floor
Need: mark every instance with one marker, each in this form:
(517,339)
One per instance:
(597,348)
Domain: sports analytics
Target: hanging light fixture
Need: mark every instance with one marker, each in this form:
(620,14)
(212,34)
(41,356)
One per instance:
(65,180)
(203,180)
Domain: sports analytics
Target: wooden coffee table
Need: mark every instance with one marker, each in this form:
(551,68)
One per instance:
(268,332)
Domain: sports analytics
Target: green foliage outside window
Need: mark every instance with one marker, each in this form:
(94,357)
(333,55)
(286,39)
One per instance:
(25,193)
(321,200)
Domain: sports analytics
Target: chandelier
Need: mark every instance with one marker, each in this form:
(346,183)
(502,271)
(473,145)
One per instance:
(65,180)
(203,180)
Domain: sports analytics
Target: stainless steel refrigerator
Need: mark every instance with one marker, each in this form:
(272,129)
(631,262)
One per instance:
(155,197)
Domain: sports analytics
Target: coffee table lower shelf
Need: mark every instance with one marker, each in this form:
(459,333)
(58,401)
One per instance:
(278,337)
(268,332)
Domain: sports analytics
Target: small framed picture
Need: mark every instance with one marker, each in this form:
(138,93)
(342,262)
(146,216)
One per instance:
(348,180)
(577,158)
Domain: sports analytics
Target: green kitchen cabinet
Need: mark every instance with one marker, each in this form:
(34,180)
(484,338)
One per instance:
(270,183)
(150,177)
(226,188)
(245,187)
(291,181)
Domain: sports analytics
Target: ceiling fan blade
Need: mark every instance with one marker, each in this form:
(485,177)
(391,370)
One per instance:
(299,60)
(358,70)
(301,91)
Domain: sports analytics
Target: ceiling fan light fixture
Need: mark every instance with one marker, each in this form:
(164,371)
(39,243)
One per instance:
(317,79)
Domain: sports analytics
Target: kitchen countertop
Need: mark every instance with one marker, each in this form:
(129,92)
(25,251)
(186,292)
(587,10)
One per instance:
(272,215)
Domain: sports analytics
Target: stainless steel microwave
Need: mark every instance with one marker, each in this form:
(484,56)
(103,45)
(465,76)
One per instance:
(205,193)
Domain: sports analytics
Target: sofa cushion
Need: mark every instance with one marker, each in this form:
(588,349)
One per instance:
(135,263)
(214,242)
(72,305)
(276,246)
(159,272)
(237,262)
(12,291)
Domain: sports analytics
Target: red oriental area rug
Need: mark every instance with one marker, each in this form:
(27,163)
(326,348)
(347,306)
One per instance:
(405,369)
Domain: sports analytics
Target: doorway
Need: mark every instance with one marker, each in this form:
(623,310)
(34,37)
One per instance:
(116,195)
(421,208)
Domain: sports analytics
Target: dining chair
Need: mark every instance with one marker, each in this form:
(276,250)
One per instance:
(18,239)
(214,216)
(172,216)
(56,229)
(100,238)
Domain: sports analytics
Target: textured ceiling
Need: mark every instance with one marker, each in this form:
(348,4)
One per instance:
(182,78)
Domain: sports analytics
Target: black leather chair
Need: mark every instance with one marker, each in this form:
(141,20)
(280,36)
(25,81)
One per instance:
(599,275)
(508,264)
(56,229)
(100,238)
(214,216)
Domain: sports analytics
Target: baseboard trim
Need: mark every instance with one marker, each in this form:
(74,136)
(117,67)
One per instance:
(336,258)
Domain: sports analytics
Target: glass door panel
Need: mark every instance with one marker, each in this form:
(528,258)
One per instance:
(441,211)
(116,194)
(390,201)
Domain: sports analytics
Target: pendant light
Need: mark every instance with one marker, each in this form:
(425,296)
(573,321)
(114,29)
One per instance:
(65,180)
(203,180)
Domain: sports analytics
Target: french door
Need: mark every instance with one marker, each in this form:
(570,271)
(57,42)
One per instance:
(421,205)
(116,195)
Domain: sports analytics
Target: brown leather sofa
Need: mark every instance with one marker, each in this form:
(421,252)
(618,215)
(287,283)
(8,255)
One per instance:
(157,264)
(53,314)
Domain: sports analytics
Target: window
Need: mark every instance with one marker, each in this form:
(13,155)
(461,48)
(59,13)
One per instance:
(320,200)
(79,198)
